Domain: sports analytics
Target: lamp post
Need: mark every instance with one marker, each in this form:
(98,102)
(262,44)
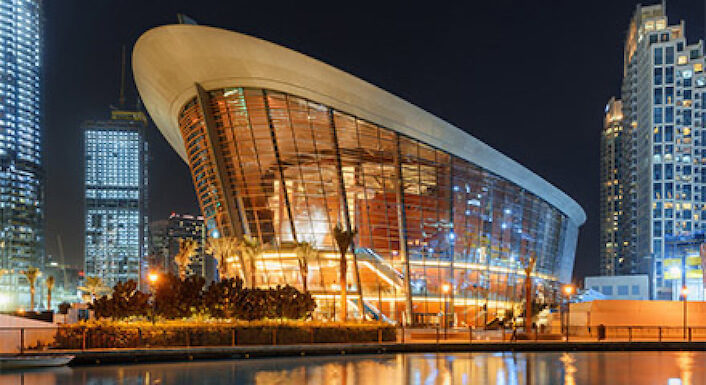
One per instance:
(446,288)
(684,292)
(568,291)
(153,277)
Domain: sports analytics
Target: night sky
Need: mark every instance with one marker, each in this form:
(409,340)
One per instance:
(530,79)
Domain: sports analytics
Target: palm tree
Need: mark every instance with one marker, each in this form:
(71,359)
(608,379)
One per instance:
(222,249)
(251,250)
(305,252)
(187,249)
(343,238)
(50,286)
(528,264)
(31,274)
(93,286)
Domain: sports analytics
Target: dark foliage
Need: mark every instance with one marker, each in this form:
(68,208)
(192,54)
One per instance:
(126,301)
(174,298)
(64,308)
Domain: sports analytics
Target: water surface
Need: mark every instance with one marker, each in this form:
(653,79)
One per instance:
(669,368)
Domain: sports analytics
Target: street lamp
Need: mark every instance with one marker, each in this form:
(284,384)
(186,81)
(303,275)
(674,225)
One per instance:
(446,288)
(568,291)
(684,292)
(153,277)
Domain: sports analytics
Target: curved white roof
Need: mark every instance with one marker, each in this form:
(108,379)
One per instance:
(168,60)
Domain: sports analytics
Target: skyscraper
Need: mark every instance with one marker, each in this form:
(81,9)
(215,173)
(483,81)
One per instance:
(662,162)
(611,194)
(21,173)
(165,238)
(116,197)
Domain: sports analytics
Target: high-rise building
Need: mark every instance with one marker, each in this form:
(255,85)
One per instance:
(611,194)
(116,231)
(21,172)
(660,181)
(187,227)
(158,254)
(165,238)
(283,148)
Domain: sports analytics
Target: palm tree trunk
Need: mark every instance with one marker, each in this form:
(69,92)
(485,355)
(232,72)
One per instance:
(31,299)
(48,299)
(252,272)
(528,302)
(344,287)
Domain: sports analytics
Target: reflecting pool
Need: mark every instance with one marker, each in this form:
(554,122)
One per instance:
(669,368)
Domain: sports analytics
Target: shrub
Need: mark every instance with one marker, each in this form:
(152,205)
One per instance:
(143,334)
(64,307)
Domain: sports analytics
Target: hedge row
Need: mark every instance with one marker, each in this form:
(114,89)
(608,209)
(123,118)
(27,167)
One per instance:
(111,336)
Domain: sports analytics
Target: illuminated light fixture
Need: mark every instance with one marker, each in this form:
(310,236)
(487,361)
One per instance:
(446,288)
(569,290)
(153,277)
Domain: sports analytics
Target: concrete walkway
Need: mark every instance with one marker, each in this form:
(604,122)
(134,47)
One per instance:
(106,356)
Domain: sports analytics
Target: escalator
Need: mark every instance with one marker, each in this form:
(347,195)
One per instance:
(368,258)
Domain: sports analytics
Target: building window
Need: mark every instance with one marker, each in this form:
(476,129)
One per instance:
(635,290)
(669,55)
(658,76)
(682,59)
(607,290)
(622,289)
(658,53)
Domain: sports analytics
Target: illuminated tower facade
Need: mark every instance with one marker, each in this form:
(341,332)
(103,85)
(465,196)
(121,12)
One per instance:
(662,168)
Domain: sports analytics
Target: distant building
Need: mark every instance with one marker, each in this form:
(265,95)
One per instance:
(158,255)
(634,287)
(611,192)
(653,179)
(183,227)
(165,236)
(116,197)
(21,169)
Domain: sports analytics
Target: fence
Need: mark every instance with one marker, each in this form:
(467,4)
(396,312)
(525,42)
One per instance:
(33,340)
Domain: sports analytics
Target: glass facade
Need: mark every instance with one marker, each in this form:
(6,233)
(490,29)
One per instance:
(285,169)
(115,199)
(21,173)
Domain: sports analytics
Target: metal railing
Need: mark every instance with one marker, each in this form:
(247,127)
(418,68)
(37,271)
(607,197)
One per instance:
(19,340)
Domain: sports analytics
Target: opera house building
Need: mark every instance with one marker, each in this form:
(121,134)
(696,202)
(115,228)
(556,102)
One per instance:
(283,147)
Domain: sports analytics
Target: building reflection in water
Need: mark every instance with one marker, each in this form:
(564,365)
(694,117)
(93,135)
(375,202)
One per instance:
(670,368)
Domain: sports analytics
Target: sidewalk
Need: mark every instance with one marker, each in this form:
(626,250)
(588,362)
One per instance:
(108,356)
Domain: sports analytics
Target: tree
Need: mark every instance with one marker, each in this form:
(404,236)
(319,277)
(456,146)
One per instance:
(64,307)
(528,264)
(125,301)
(222,249)
(251,249)
(343,238)
(221,298)
(187,249)
(176,298)
(31,274)
(50,286)
(305,252)
(94,286)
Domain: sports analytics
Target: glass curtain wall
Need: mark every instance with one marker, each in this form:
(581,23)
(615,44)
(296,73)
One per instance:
(292,169)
